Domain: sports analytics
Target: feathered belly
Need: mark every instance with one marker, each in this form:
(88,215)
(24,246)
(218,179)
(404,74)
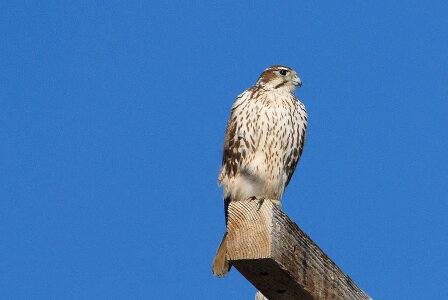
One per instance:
(262,177)
(266,171)
(265,174)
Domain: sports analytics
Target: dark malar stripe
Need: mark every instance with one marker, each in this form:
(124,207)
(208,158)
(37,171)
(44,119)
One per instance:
(280,85)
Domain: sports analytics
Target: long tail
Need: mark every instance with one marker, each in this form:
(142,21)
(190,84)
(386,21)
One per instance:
(221,265)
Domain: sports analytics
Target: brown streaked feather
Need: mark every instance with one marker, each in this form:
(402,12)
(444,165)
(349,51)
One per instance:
(236,147)
(291,163)
(263,143)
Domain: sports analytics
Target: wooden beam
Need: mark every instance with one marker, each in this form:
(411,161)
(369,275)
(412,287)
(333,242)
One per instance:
(260,296)
(279,259)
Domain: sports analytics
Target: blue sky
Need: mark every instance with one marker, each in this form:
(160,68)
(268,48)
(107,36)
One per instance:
(112,120)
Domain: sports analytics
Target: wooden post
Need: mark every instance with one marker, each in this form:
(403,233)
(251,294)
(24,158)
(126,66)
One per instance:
(260,296)
(279,259)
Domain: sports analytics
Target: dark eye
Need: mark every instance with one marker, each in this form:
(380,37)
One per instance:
(283,72)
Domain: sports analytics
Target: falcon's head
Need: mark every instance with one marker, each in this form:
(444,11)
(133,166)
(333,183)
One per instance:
(279,78)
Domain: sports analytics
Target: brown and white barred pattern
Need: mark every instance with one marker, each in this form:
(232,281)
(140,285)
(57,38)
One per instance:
(265,137)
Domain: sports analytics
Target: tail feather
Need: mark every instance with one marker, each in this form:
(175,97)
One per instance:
(221,265)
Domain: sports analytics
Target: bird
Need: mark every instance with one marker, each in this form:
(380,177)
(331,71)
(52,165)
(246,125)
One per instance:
(263,143)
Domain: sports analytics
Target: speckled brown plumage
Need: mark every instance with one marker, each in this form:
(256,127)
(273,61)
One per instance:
(264,139)
(263,143)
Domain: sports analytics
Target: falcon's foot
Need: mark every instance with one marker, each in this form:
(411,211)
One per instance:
(260,201)
(277,203)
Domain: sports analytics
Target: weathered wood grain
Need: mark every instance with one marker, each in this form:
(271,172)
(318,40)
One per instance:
(279,259)
(260,296)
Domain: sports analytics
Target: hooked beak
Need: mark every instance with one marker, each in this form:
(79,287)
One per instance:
(297,82)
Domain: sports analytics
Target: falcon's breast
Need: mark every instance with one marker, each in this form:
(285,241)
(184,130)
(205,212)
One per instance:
(264,140)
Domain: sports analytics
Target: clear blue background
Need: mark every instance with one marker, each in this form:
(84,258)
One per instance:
(112,117)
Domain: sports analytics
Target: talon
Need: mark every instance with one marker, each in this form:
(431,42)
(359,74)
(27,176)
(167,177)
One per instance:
(252,198)
(260,203)
(277,203)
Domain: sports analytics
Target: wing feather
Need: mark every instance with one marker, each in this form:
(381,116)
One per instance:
(240,138)
(296,153)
